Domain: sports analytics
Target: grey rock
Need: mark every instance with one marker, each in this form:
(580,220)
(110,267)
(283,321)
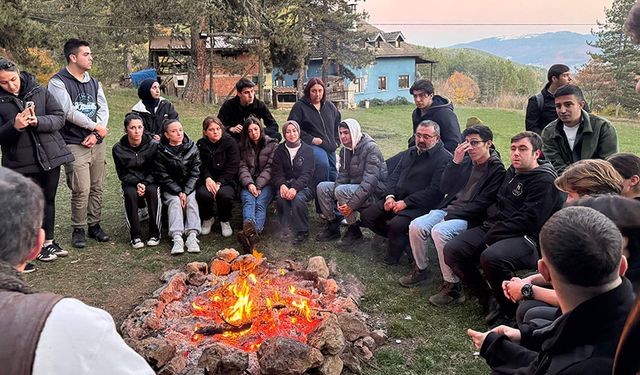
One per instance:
(352,327)
(286,356)
(327,336)
(224,359)
(317,264)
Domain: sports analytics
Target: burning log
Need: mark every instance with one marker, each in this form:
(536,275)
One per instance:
(215,329)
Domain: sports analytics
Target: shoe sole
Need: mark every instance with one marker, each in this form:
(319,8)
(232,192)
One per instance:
(98,239)
(154,243)
(177,252)
(193,250)
(407,285)
(61,254)
(79,245)
(455,301)
(50,259)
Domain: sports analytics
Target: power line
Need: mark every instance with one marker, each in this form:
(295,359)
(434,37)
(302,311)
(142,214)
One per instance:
(483,24)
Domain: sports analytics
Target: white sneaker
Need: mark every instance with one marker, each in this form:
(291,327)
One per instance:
(137,243)
(206,227)
(192,243)
(178,245)
(226,229)
(344,222)
(153,241)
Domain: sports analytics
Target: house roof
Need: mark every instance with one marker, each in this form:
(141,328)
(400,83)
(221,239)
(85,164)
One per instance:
(387,47)
(168,42)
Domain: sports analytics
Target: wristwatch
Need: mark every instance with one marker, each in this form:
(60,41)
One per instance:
(527,291)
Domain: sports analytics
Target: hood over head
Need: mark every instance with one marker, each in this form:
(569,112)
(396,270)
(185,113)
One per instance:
(355,130)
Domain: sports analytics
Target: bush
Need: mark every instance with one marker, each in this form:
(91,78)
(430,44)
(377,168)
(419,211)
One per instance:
(398,100)
(613,110)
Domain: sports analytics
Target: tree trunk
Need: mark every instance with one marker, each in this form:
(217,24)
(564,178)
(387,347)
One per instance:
(194,91)
(301,79)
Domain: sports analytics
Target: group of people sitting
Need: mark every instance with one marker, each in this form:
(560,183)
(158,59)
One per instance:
(487,222)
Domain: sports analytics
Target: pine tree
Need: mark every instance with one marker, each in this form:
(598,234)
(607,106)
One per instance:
(620,55)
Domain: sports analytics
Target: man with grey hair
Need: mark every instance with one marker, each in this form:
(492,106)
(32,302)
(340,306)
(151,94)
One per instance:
(582,259)
(412,190)
(44,333)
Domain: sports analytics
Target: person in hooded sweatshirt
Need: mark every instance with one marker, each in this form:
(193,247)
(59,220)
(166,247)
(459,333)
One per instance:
(217,184)
(31,142)
(507,241)
(153,108)
(293,167)
(87,116)
(256,166)
(177,169)
(134,157)
(360,182)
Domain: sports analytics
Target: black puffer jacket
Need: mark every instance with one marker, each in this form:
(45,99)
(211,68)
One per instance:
(321,124)
(440,111)
(232,113)
(177,172)
(365,167)
(135,165)
(455,178)
(256,169)
(524,202)
(153,121)
(297,175)
(220,160)
(33,149)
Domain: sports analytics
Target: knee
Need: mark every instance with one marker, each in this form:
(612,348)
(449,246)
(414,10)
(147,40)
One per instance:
(490,260)
(398,226)
(417,230)
(325,188)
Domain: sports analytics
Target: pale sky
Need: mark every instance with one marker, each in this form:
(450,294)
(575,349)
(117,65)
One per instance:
(403,13)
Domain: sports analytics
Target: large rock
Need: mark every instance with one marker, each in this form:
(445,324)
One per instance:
(352,327)
(228,255)
(350,361)
(379,336)
(332,365)
(200,267)
(174,290)
(327,336)
(319,266)
(156,351)
(220,267)
(177,365)
(244,262)
(328,286)
(285,356)
(224,359)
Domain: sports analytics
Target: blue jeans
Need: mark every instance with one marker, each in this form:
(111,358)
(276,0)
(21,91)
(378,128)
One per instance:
(255,208)
(325,164)
(433,225)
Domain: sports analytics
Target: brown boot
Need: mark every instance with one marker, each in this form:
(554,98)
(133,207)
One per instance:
(450,293)
(414,278)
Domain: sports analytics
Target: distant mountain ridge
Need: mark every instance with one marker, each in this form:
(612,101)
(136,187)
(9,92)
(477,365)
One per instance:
(540,50)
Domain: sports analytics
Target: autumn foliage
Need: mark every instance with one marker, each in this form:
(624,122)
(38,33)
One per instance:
(461,88)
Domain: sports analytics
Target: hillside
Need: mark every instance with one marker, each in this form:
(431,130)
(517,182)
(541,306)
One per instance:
(540,50)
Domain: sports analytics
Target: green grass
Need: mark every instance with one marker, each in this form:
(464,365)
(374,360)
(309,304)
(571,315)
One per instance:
(422,339)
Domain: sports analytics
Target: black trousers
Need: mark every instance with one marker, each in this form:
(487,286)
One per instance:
(48,181)
(387,224)
(498,263)
(223,199)
(131,204)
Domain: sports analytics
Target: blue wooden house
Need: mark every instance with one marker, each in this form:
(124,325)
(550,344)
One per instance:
(390,76)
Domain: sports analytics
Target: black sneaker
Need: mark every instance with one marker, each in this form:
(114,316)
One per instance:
(29,267)
(58,250)
(97,233)
(46,254)
(300,237)
(78,238)
(351,237)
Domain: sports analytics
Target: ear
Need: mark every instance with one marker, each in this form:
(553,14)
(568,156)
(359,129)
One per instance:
(37,247)
(635,180)
(544,270)
(537,153)
(581,103)
(624,265)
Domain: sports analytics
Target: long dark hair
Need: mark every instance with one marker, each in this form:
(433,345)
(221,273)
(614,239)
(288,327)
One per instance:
(246,143)
(312,82)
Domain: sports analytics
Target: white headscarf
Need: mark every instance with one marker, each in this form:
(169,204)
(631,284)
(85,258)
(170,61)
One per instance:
(355,130)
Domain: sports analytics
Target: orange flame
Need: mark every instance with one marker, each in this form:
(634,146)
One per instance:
(304,308)
(242,307)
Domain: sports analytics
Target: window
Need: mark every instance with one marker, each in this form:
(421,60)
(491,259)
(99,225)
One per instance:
(382,83)
(403,82)
(361,84)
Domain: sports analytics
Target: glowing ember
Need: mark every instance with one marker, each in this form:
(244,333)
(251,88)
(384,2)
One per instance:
(249,310)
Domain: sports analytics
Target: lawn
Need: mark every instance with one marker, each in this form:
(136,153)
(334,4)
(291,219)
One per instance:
(422,339)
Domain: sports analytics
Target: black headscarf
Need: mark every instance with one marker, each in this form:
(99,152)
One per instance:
(144,93)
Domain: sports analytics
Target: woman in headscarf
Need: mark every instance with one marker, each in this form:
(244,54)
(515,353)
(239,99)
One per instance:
(293,167)
(30,121)
(153,108)
(256,158)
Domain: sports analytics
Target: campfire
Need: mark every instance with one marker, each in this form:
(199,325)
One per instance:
(242,314)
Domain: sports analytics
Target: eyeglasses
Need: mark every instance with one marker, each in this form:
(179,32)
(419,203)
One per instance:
(425,136)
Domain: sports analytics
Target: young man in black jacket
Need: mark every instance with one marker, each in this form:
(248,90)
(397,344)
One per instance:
(507,240)
(582,259)
(470,182)
(134,156)
(413,189)
(236,110)
(541,107)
